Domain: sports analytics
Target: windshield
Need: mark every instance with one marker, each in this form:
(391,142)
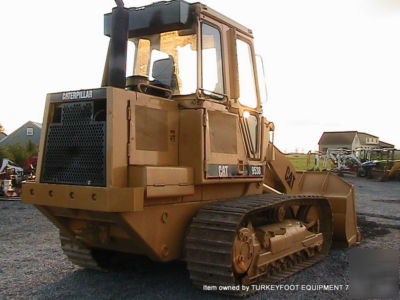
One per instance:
(168,59)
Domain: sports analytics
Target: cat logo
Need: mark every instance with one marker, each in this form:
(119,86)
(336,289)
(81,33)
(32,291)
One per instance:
(223,171)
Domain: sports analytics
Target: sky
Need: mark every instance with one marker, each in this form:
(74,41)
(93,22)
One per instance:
(331,65)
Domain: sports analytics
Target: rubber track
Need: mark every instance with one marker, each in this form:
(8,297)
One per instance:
(208,244)
(79,254)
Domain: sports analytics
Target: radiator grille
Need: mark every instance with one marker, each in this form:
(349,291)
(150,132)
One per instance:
(75,148)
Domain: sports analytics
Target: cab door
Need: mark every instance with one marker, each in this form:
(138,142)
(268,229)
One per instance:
(248,98)
(224,152)
(230,140)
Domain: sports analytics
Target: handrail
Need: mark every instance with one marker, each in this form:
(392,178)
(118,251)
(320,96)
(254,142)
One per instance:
(154,87)
(222,96)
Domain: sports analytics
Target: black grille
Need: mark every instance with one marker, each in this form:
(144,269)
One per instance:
(75,147)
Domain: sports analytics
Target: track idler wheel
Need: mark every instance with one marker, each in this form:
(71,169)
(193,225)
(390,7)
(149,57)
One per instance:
(243,250)
(310,216)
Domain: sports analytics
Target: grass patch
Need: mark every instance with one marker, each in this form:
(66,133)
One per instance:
(299,161)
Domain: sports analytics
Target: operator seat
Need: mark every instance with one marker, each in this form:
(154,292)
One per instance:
(164,74)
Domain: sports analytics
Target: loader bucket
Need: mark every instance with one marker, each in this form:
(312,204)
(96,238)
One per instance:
(341,198)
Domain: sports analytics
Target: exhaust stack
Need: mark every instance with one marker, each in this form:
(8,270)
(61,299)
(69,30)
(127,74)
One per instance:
(115,68)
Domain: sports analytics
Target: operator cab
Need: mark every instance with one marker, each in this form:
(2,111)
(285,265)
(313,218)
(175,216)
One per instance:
(174,49)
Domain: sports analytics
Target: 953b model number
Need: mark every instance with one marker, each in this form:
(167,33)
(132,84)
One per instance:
(256,170)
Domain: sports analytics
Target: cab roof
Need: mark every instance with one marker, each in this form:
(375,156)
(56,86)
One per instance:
(167,16)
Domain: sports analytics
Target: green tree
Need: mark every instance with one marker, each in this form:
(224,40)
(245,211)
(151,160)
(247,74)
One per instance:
(31,148)
(3,152)
(19,153)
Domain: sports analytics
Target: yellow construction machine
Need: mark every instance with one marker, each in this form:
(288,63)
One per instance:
(172,158)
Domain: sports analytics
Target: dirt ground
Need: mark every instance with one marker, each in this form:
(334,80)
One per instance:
(32,264)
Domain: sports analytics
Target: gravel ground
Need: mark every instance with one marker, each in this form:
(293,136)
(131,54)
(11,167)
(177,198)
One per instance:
(32,264)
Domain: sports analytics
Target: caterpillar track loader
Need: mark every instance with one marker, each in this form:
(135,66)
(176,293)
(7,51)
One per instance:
(172,158)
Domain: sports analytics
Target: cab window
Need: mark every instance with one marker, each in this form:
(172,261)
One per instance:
(247,84)
(167,59)
(212,80)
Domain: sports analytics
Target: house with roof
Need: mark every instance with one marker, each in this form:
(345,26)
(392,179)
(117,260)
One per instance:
(383,144)
(29,131)
(350,140)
